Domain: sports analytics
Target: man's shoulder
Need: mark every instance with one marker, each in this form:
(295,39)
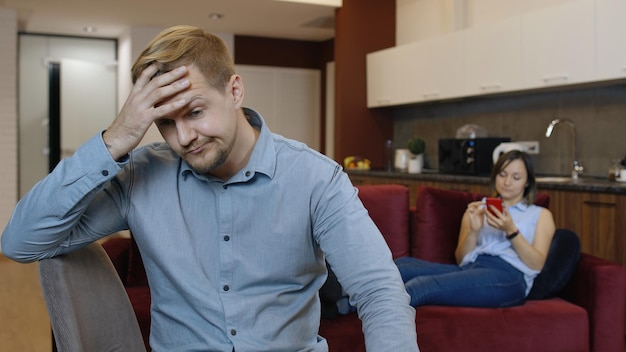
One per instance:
(157,153)
(291,148)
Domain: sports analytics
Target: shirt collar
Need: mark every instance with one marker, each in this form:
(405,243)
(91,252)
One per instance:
(262,159)
(521,205)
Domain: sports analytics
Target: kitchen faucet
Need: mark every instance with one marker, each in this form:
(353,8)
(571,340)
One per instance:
(577,167)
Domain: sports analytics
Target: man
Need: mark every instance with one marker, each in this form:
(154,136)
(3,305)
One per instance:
(234,223)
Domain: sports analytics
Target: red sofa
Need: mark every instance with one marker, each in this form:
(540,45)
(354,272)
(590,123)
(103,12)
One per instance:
(586,315)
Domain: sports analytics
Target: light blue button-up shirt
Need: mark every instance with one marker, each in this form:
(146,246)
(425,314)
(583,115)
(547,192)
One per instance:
(233,264)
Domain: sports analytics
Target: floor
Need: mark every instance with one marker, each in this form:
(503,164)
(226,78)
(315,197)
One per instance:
(24,322)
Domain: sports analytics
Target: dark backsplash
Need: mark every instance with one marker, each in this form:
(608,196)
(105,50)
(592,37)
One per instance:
(599,115)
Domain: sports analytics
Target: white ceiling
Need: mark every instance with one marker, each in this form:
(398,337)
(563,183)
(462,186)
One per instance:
(264,18)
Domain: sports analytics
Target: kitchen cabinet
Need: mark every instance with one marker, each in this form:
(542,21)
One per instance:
(558,45)
(566,44)
(493,55)
(610,29)
(417,72)
(387,81)
(413,184)
(597,218)
(438,70)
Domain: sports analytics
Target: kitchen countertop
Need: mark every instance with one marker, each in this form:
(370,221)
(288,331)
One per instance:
(583,184)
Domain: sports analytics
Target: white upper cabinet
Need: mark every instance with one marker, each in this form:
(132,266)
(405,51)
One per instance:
(416,72)
(493,55)
(578,41)
(387,82)
(610,44)
(438,69)
(558,45)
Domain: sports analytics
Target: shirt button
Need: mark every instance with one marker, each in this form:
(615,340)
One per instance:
(105,173)
(248,173)
(233,332)
(226,288)
(226,238)
(225,186)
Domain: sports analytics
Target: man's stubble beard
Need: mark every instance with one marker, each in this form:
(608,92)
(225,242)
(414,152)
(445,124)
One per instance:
(202,169)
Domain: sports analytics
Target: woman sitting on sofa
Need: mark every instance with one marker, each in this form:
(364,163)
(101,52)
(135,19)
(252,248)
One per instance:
(499,253)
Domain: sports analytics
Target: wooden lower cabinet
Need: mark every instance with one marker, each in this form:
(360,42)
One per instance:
(599,219)
(414,185)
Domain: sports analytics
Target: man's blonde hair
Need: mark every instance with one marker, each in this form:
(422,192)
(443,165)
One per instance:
(186,45)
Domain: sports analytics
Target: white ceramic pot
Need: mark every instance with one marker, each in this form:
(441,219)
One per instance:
(416,162)
(401,162)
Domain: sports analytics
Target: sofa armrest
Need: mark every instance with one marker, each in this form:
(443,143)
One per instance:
(118,250)
(599,286)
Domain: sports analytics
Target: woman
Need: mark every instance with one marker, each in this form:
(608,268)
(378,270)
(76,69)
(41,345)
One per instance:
(499,253)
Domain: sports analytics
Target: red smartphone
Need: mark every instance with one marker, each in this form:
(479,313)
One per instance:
(496,202)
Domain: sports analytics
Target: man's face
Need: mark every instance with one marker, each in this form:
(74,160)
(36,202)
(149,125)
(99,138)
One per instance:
(203,132)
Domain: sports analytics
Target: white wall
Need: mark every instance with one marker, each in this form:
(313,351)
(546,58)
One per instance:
(423,19)
(287,98)
(35,51)
(8,114)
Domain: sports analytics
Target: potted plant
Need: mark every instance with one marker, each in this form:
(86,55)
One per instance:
(416,146)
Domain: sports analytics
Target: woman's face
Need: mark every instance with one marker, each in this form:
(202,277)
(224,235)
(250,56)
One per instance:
(511,181)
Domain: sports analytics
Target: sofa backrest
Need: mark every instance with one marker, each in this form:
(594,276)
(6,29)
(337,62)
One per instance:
(437,220)
(388,206)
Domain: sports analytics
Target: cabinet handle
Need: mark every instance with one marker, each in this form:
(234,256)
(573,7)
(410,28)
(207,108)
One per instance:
(548,79)
(596,203)
(430,94)
(494,86)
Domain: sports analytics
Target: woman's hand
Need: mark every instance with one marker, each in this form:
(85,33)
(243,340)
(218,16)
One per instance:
(475,212)
(500,220)
(470,225)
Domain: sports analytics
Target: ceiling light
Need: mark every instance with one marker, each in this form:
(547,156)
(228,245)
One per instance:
(333,3)
(90,29)
(216,16)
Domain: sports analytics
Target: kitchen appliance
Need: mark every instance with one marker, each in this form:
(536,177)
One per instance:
(468,156)
(507,147)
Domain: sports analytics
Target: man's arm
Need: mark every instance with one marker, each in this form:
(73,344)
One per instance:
(47,221)
(362,261)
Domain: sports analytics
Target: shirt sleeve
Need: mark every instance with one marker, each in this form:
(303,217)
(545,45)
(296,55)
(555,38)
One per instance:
(362,261)
(50,219)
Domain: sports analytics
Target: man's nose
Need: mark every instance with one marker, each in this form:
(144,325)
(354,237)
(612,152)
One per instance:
(185,133)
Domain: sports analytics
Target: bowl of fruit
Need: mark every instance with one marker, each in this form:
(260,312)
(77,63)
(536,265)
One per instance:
(356,163)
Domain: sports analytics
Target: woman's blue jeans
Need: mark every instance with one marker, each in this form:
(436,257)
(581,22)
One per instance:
(487,282)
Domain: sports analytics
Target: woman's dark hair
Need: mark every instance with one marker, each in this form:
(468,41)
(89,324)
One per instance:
(530,190)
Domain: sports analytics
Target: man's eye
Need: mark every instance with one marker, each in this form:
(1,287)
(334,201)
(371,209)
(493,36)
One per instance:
(195,113)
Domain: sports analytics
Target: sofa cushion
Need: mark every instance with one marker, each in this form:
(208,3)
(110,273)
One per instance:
(437,222)
(136,275)
(343,334)
(559,266)
(388,206)
(540,326)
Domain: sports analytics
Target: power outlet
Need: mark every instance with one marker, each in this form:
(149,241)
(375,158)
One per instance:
(532,146)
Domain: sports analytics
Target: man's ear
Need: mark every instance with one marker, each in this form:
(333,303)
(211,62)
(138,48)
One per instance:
(236,90)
